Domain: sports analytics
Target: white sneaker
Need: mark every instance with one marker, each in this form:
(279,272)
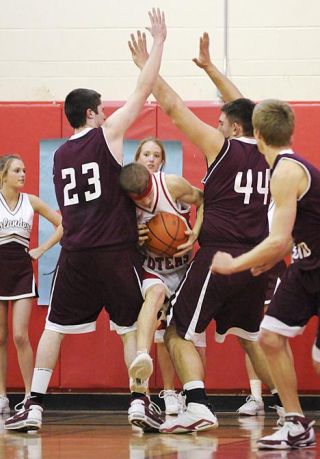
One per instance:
(28,418)
(196,417)
(252,407)
(297,432)
(4,406)
(145,414)
(140,371)
(173,401)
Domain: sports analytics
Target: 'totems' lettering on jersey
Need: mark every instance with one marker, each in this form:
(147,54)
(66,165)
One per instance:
(164,264)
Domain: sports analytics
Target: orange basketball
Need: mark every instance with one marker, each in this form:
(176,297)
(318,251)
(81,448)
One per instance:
(166,233)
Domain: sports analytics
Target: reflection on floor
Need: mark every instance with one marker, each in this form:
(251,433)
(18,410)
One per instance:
(107,435)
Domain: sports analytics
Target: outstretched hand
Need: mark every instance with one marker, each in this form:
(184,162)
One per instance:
(138,48)
(204,59)
(138,43)
(158,27)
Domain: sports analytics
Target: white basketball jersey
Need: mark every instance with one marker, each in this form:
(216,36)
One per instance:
(16,224)
(163,202)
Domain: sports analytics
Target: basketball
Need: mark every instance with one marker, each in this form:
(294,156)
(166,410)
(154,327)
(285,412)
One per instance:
(166,233)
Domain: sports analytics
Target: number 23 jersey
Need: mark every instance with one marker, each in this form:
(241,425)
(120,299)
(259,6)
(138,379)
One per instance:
(95,211)
(236,196)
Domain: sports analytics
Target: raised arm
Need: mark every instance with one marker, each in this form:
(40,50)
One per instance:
(207,138)
(227,89)
(117,124)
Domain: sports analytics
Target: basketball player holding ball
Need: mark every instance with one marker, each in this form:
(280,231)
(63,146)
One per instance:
(153,194)
(151,153)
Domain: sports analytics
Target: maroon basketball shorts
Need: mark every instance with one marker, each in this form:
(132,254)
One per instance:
(16,273)
(274,277)
(87,281)
(235,302)
(296,300)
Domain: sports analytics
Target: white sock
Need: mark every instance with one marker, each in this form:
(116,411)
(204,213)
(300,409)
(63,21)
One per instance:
(256,388)
(40,380)
(193,385)
(143,351)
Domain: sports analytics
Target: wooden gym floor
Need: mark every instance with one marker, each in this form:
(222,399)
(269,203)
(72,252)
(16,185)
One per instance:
(107,435)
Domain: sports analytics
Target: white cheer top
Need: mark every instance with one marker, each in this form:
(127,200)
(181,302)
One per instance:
(16,224)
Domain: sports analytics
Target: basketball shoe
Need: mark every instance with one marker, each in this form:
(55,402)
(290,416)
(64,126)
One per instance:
(28,418)
(173,401)
(253,406)
(281,414)
(145,414)
(140,371)
(4,406)
(196,417)
(286,454)
(19,405)
(297,432)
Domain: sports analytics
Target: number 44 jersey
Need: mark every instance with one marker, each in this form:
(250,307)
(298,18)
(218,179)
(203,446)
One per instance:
(95,211)
(236,196)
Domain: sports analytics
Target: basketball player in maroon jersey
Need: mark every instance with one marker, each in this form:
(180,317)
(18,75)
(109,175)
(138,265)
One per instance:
(254,403)
(295,187)
(236,198)
(100,232)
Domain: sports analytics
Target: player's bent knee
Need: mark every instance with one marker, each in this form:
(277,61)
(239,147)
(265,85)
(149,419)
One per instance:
(158,295)
(270,341)
(169,336)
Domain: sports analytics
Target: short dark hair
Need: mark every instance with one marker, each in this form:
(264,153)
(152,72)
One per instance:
(134,178)
(240,111)
(77,103)
(274,120)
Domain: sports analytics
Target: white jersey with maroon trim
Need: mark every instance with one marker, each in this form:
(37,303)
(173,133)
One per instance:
(163,202)
(16,224)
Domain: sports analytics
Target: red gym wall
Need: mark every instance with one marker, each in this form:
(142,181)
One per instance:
(95,361)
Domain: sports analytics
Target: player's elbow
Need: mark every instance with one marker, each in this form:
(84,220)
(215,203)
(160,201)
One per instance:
(279,244)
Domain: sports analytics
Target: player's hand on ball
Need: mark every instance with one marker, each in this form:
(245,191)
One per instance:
(187,246)
(143,231)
